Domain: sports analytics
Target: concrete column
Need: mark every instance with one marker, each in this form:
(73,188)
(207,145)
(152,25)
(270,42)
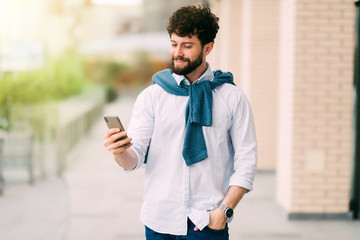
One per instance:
(248,46)
(263,47)
(226,54)
(286,99)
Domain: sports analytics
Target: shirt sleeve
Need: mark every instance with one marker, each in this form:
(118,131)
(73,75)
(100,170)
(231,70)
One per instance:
(141,125)
(242,133)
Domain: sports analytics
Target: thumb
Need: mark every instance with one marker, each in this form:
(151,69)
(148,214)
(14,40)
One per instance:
(196,229)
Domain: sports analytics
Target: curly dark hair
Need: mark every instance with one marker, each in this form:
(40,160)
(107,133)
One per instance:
(193,20)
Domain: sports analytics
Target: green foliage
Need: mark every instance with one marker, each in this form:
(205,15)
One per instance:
(107,73)
(112,70)
(26,97)
(61,78)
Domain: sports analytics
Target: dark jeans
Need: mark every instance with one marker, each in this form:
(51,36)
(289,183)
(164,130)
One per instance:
(206,234)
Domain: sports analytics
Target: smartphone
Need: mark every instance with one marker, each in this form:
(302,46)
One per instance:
(114,122)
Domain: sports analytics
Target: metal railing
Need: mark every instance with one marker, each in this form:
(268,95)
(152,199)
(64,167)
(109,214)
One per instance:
(25,157)
(2,180)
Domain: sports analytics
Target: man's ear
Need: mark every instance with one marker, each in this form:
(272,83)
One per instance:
(208,47)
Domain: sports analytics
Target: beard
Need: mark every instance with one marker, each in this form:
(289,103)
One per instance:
(191,65)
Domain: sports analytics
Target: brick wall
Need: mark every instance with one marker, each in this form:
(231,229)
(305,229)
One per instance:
(321,154)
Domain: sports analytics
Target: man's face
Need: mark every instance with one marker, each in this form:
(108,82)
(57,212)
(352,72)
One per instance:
(186,54)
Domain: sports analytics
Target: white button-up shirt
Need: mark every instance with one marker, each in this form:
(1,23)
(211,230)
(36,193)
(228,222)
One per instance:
(173,191)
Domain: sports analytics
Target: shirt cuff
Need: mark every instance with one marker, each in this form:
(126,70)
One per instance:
(200,218)
(138,155)
(241,182)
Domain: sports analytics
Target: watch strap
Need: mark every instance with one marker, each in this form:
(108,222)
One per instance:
(222,207)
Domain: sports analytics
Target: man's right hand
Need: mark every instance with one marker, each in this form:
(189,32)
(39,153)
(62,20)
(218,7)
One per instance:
(116,147)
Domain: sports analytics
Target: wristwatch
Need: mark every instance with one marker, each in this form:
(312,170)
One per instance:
(228,212)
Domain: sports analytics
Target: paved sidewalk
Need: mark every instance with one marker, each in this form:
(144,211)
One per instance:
(259,217)
(104,200)
(38,212)
(98,200)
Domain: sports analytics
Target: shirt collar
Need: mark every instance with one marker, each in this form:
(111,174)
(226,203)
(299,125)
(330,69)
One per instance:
(208,75)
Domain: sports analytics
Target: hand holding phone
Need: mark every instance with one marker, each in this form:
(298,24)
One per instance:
(114,122)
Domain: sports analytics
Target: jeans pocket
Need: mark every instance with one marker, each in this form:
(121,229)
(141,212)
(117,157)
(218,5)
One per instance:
(216,234)
(217,230)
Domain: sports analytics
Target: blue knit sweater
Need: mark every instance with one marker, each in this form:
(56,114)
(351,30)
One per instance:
(198,110)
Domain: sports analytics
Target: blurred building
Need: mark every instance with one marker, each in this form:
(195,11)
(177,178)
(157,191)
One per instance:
(157,12)
(33,30)
(23,33)
(117,31)
(294,60)
(108,31)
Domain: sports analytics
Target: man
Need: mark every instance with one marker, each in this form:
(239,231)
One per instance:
(194,130)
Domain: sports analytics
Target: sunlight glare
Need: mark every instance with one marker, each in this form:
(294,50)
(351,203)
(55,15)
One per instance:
(117,2)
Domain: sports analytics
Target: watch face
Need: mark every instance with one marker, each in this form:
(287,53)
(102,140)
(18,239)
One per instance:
(229,213)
